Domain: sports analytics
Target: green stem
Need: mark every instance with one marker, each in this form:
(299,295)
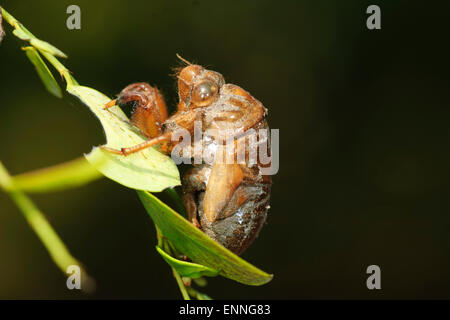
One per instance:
(63,71)
(59,177)
(46,49)
(198,295)
(35,218)
(15,23)
(165,245)
(181,285)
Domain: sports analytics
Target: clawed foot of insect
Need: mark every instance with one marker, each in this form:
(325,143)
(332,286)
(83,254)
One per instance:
(195,222)
(122,151)
(110,104)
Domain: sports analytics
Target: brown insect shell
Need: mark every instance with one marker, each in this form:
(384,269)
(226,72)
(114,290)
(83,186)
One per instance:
(153,112)
(192,76)
(237,231)
(235,110)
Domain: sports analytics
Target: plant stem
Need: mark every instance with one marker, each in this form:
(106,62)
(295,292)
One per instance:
(165,245)
(35,218)
(63,71)
(67,175)
(47,50)
(181,285)
(14,23)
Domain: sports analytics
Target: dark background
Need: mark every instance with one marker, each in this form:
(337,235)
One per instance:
(363,118)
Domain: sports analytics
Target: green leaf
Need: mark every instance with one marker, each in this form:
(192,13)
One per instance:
(201,282)
(199,247)
(47,47)
(187,269)
(148,169)
(43,71)
(63,176)
(21,34)
(63,71)
(16,24)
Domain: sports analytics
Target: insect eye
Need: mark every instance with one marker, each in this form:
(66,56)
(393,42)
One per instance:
(204,93)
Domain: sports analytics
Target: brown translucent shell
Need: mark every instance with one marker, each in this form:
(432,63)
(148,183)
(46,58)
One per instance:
(228,202)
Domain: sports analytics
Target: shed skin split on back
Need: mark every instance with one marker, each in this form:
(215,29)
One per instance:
(228,202)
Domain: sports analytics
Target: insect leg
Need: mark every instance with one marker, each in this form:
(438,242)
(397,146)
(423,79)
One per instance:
(194,186)
(141,146)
